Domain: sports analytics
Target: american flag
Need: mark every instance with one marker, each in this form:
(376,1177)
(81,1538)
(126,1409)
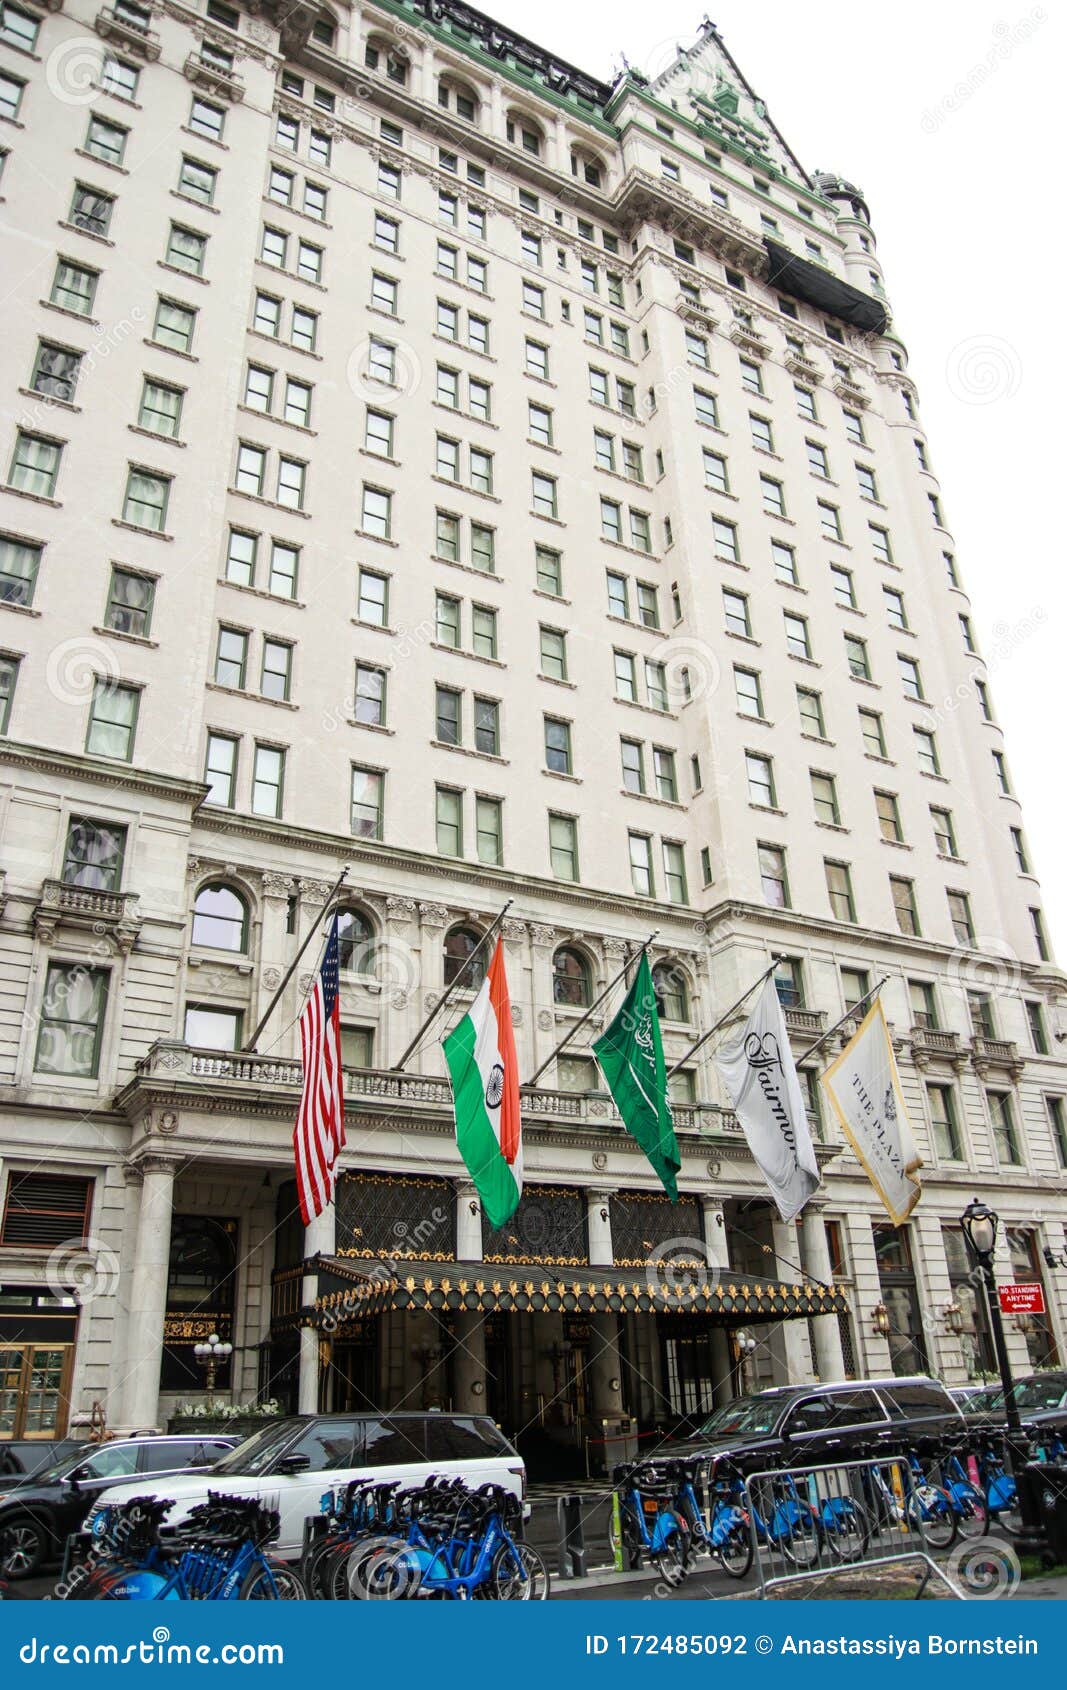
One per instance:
(319,1134)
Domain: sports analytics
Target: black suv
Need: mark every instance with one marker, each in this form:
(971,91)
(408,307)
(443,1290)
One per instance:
(809,1425)
(1041,1400)
(39,1510)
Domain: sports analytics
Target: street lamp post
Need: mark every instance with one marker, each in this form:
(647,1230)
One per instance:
(211,1356)
(980,1225)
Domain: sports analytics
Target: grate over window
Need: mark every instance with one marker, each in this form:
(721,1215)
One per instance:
(547,1228)
(642,1222)
(43,1211)
(396,1216)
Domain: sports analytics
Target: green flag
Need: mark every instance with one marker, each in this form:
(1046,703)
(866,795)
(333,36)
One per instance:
(631,1056)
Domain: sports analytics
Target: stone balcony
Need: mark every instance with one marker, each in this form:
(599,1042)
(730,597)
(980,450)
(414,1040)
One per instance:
(132,37)
(272,1084)
(747,340)
(801,366)
(988,1055)
(850,391)
(112,915)
(934,1044)
(225,83)
(808,1023)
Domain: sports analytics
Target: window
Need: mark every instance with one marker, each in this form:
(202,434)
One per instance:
(656,685)
(447,261)
(231,658)
(19,563)
(762,432)
(773,881)
(112,720)
(563,846)
(543,494)
(94,855)
(1057,1117)
(674,875)
(129,603)
(106,140)
(186,249)
(894,608)
(389,180)
(873,733)
(220,919)
(839,889)
(759,771)
(910,677)
(220,770)
(830,521)
(818,462)
(276,671)
(315,198)
(372,598)
(696,350)
(855,986)
(91,210)
(981,692)
(448,718)
(558,746)
(1037,924)
(268,778)
(1017,841)
(487,726)
(206,119)
(213,1029)
(489,830)
(175,323)
(880,543)
(633,765)
(539,425)
(549,571)
(385,294)
(809,705)
(844,589)
(926,752)
(641,875)
(35,465)
(859,662)
(945,1131)
(724,535)
(369,696)
(796,635)
(980,1009)
(824,798)
(9,668)
(854,428)
(297,408)
(18,28)
(71,1021)
(868,484)
(284,564)
(773,495)
(1002,1121)
(533,299)
(251,469)
(241,557)
(785,563)
(748,692)
(537,359)
(309,261)
(959,910)
(923,1005)
(74,288)
(751,376)
(377,512)
(707,408)
(944,833)
(368,788)
(805,403)
(888,812)
(903,895)
(640,531)
(305,328)
(267,316)
(1000,769)
(119,78)
(553,654)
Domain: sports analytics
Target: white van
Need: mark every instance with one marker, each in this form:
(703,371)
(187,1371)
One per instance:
(290,1463)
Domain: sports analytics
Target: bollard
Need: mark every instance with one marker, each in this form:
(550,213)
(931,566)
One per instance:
(571,1528)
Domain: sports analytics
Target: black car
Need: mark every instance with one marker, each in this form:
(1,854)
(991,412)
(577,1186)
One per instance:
(809,1425)
(1041,1400)
(39,1510)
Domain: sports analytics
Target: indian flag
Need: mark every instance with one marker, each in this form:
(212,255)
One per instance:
(481,1059)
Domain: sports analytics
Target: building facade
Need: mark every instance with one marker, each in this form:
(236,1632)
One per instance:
(425,460)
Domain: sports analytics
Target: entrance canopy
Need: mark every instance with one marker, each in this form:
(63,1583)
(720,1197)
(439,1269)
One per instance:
(347,1292)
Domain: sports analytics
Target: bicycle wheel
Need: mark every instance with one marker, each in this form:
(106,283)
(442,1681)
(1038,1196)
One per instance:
(319,1575)
(929,1511)
(518,1574)
(672,1556)
(972,1512)
(629,1541)
(735,1548)
(846,1528)
(273,1581)
(796,1530)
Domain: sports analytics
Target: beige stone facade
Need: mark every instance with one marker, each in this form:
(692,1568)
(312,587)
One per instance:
(419,461)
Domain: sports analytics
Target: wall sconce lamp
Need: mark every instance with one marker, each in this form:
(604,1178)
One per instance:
(604,1212)
(880,1319)
(952,1315)
(473,1206)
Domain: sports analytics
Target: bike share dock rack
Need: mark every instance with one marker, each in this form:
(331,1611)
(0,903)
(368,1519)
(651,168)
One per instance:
(880,1488)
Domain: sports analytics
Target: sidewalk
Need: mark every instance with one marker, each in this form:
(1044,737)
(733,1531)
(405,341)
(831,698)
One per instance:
(704,1583)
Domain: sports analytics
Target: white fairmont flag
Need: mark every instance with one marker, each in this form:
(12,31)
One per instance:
(761,1077)
(864,1088)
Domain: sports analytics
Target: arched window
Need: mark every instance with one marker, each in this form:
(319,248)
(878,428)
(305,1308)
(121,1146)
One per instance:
(458,97)
(587,167)
(220,918)
(459,943)
(571,982)
(672,991)
(383,55)
(355,942)
(523,132)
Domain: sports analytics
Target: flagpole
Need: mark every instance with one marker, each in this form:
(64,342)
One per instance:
(578,1025)
(805,1055)
(457,978)
(721,1022)
(290,971)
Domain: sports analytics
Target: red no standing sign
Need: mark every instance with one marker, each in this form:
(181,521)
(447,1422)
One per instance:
(1021,1299)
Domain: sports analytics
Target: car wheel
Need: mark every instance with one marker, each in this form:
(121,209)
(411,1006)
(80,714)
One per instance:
(25,1544)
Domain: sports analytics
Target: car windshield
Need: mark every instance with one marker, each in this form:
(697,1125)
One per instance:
(1047,1392)
(61,1468)
(982,1402)
(747,1414)
(256,1452)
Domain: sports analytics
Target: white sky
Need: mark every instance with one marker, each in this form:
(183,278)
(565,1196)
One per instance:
(967,216)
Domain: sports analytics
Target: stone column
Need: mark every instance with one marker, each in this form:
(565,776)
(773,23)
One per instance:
(401,972)
(793,1353)
(468,1366)
(433,919)
(815,1258)
(598,1211)
(543,1037)
(319,1236)
(468,1222)
(605,1365)
(717,1246)
(276,946)
(148,1294)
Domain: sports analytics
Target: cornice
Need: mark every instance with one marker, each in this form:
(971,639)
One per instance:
(75,764)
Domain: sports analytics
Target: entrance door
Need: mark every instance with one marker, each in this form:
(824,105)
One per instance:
(687,1368)
(35,1390)
(354,1366)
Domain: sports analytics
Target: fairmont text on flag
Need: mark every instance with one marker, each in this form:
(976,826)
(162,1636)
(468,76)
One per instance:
(761,1078)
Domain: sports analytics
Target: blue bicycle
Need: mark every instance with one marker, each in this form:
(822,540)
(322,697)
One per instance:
(651,1526)
(220,1556)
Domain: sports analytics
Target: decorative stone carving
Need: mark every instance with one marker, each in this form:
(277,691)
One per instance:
(167,1122)
(616,950)
(597,1106)
(170,1059)
(542,935)
(514,931)
(600,1160)
(516,1015)
(306,982)
(272,978)
(431,1000)
(277,886)
(400,911)
(399,999)
(544,1020)
(433,915)
(714,1169)
(314,891)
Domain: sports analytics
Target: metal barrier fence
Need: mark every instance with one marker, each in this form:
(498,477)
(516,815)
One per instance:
(812,1522)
